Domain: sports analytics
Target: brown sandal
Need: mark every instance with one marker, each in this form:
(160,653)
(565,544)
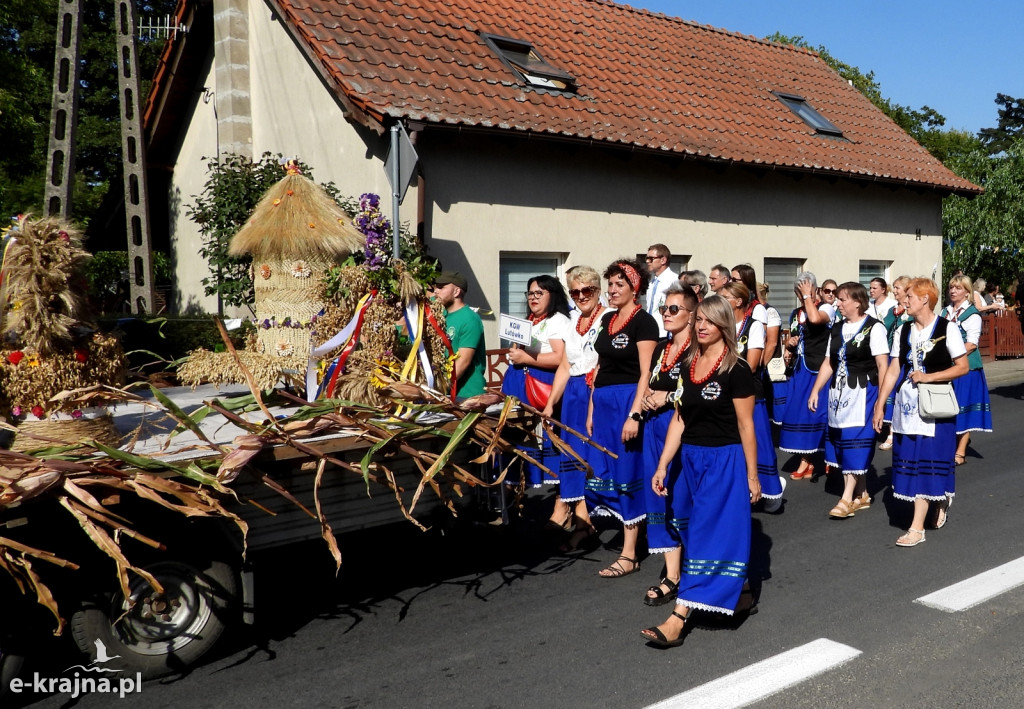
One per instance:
(842,510)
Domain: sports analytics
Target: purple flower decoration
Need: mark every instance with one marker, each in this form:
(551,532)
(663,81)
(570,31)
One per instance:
(76,414)
(16,411)
(265,324)
(376,228)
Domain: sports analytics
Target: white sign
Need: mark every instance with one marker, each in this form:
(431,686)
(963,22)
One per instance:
(515,329)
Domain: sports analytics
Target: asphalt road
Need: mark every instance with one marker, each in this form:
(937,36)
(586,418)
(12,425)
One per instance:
(482,616)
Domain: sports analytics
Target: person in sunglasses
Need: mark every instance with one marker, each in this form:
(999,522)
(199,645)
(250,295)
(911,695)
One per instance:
(571,388)
(664,526)
(533,368)
(662,276)
(828,294)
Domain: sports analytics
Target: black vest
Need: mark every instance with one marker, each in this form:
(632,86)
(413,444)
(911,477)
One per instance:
(859,362)
(935,361)
(815,340)
(741,350)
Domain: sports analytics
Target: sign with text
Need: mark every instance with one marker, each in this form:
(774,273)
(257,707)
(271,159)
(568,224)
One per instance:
(515,329)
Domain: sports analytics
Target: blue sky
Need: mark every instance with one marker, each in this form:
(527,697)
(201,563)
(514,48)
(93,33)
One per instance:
(952,56)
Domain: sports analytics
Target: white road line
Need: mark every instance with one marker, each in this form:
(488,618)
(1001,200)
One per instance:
(977,589)
(764,678)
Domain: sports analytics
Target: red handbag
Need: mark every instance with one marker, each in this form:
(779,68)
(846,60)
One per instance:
(537,392)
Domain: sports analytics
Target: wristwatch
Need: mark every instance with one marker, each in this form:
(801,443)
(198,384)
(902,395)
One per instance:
(635,416)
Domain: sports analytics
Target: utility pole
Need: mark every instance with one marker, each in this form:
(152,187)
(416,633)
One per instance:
(133,147)
(60,159)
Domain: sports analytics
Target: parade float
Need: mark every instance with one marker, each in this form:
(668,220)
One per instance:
(48,344)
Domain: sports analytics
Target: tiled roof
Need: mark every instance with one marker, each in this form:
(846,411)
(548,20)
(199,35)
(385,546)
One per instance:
(644,80)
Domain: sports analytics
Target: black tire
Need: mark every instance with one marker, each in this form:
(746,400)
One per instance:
(197,605)
(11,661)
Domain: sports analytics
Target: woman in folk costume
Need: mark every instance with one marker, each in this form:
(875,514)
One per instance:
(803,431)
(855,362)
(897,318)
(930,349)
(549,316)
(750,343)
(972,388)
(665,524)
(571,389)
(624,347)
(713,432)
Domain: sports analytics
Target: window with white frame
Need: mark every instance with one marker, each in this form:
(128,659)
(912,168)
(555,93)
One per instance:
(873,269)
(515,272)
(780,275)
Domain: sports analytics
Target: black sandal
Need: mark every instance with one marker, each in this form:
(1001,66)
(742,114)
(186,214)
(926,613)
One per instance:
(659,638)
(660,597)
(616,571)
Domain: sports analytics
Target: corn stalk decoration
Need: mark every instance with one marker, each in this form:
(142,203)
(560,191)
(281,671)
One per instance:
(83,475)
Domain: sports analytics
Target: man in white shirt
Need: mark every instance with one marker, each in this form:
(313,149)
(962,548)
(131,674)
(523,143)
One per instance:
(661,278)
(718,278)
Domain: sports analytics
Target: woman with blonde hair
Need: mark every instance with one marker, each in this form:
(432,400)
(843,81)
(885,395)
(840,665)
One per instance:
(930,349)
(897,318)
(571,389)
(713,432)
(971,389)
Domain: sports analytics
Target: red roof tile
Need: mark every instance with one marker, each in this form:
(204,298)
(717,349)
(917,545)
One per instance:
(643,80)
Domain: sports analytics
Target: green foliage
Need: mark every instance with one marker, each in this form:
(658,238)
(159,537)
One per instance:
(27,41)
(170,338)
(107,271)
(232,190)
(984,235)
(1010,128)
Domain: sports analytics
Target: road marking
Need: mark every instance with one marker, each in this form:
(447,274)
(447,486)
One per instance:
(977,589)
(764,678)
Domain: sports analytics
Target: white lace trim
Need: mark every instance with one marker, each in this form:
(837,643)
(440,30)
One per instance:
(662,550)
(845,472)
(793,450)
(608,512)
(979,430)
(931,498)
(573,499)
(704,607)
(773,497)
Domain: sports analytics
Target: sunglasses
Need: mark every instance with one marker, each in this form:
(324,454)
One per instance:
(674,309)
(652,258)
(828,291)
(585,292)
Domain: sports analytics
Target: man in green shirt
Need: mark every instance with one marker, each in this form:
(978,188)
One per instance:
(466,332)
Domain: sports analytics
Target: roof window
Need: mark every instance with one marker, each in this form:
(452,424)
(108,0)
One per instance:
(799,106)
(528,64)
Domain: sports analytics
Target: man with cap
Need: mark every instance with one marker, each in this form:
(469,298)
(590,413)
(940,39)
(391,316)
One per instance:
(465,330)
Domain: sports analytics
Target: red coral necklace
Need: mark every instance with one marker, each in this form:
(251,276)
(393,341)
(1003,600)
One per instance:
(612,330)
(590,323)
(711,372)
(536,320)
(667,365)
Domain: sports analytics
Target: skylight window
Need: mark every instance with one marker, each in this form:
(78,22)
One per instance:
(528,64)
(799,106)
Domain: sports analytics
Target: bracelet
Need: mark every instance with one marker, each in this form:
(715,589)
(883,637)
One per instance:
(806,297)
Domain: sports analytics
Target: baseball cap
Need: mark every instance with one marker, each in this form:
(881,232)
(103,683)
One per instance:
(454,277)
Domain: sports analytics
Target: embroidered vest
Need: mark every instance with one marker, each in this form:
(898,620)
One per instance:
(935,361)
(860,365)
(973,358)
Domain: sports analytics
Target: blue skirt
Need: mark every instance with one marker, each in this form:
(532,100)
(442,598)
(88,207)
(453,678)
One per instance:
(664,528)
(717,540)
(853,449)
(923,466)
(890,403)
(544,451)
(803,430)
(975,409)
(780,396)
(769,394)
(617,486)
(767,462)
(514,383)
(571,473)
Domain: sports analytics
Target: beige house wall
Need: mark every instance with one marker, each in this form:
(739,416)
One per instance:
(487,197)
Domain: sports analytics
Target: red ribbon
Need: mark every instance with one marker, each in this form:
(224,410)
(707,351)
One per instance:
(447,343)
(349,347)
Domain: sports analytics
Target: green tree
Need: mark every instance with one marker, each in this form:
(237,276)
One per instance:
(1009,128)
(27,37)
(984,235)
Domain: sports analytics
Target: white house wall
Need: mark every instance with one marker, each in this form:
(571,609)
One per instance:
(585,204)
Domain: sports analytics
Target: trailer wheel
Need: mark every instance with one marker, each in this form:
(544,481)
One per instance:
(161,633)
(11,661)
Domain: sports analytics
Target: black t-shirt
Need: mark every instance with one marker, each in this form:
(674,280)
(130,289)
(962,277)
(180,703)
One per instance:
(619,357)
(707,409)
(664,381)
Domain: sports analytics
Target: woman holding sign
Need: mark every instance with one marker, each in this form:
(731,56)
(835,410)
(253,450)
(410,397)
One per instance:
(533,367)
(624,345)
